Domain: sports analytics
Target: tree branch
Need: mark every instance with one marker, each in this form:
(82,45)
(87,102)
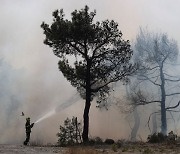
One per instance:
(150,119)
(76,48)
(100,45)
(142,102)
(152,72)
(172,80)
(153,68)
(173,107)
(112,80)
(147,78)
(105,84)
(172,94)
(165,57)
(170,75)
(172,111)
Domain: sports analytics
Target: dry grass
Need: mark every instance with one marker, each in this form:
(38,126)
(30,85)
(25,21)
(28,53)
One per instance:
(82,150)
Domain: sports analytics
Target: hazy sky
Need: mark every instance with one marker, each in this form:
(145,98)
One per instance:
(21,35)
(40,84)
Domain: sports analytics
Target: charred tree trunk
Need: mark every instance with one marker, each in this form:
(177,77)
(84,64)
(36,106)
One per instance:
(136,124)
(163,101)
(87,105)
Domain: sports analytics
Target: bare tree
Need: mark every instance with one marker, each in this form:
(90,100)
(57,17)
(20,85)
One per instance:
(157,55)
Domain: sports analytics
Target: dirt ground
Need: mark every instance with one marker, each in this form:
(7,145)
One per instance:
(140,148)
(21,149)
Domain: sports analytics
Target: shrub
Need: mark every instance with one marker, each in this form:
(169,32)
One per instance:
(120,143)
(109,141)
(171,137)
(159,137)
(114,147)
(156,138)
(95,141)
(98,140)
(125,149)
(70,133)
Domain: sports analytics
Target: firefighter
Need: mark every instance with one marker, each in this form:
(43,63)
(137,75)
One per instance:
(28,127)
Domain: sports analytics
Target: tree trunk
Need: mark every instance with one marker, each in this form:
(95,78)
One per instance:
(163,103)
(86,121)
(136,125)
(87,105)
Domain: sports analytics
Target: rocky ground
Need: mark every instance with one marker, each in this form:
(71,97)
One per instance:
(137,148)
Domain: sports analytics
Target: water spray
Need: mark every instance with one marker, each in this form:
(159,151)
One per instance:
(61,107)
(46,116)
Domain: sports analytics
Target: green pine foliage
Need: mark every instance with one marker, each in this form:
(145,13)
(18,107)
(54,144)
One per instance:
(70,133)
(92,55)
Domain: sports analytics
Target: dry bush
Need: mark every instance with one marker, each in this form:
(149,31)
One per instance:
(82,150)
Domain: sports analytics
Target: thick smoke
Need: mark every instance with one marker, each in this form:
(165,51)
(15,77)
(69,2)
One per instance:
(30,81)
(9,102)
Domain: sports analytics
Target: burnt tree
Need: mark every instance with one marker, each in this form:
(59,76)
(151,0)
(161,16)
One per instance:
(157,56)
